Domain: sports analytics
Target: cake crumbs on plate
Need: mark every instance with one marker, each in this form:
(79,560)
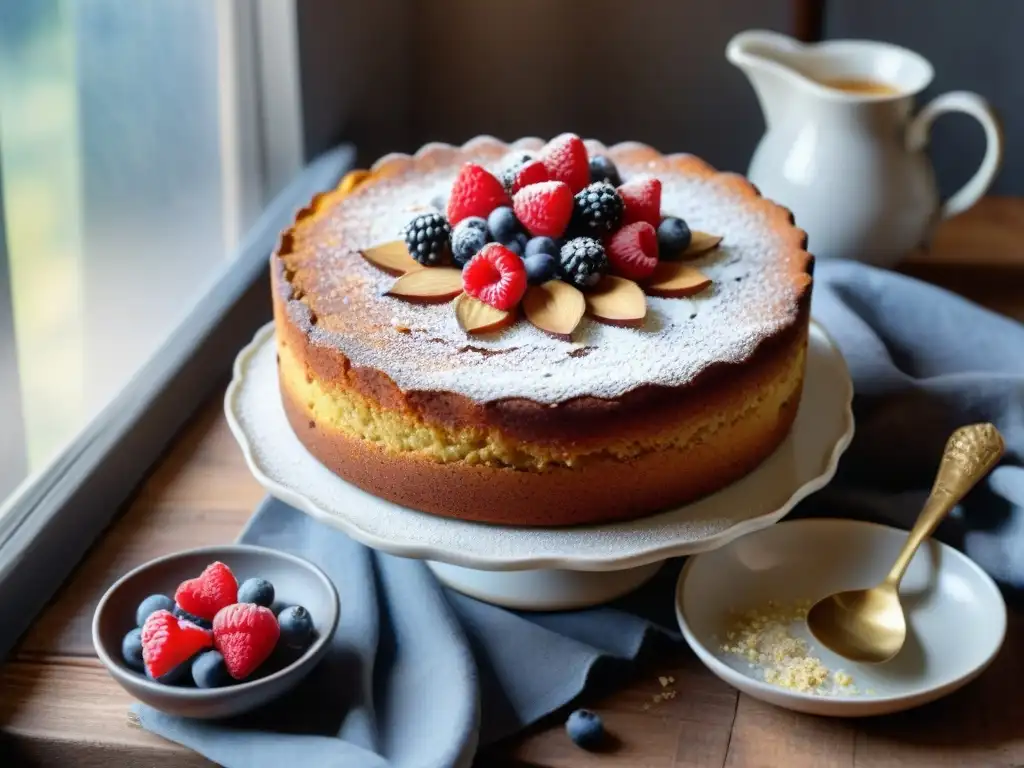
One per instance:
(764,638)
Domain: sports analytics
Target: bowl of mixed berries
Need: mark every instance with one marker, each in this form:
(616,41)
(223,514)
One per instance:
(216,631)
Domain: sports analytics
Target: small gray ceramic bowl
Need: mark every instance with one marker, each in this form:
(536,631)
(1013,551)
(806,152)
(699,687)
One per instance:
(296,582)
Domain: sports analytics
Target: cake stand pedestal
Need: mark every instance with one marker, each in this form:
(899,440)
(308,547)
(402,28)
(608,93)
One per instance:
(541,568)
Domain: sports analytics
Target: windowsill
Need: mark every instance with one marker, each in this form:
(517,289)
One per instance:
(59,706)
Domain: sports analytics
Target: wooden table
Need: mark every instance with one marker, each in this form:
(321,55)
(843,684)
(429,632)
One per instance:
(59,707)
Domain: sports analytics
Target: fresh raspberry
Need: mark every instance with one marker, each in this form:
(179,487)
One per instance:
(566,159)
(245,634)
(642,197)
(496,276)
(530,172)
(633,250)
(476,192)
(168,641)
(213,589)
(545,208)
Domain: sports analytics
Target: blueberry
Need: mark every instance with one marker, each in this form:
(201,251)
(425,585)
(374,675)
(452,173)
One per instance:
(259,591)
(603,169)
(131,650)
(673,237)
(540,267)
(296,627)
(541,245)
(152,604)
(176,676)
(469,236)
(209,670)
(585,728)
(517,245)
(503,224)
(181,613)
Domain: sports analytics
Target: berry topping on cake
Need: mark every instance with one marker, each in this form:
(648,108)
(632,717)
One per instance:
(545,208)
(642,200)
(427,237)
(540,267)
(503,224)
(517,244)
(206,594)
(245,634)
(541,245)
(468,237)
(603,169)
(673,237)
(598,209)
(476,192)
(168,641)
(633,250)
(566,159)
(524,173)
(495,276)
(582,262)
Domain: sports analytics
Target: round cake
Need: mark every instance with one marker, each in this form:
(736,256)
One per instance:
(632,378)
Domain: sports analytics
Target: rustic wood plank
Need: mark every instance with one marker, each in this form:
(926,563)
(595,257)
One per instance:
(74,714)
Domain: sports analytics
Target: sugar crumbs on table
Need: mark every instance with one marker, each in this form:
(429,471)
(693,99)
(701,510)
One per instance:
(765,639)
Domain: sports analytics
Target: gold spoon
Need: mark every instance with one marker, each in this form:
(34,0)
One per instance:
(868,625)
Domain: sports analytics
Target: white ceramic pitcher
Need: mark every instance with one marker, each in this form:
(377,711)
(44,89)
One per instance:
(851,165)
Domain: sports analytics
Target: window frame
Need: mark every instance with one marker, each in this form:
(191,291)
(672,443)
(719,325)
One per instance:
(50,520)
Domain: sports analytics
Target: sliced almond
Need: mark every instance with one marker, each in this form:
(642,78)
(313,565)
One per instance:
(429,284)
(352,180)
(617,301)
(554,307)
(701,242)
(672,280)
(392,257)
(476,317)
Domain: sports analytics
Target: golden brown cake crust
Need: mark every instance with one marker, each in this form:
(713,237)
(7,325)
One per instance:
(588,483)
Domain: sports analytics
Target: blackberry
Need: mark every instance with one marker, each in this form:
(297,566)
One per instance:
(582,261)
(468,237)
(427,237)
(603,169)
(598,209)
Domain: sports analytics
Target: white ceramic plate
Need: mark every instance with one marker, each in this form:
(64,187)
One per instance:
(804,462)
(955,614)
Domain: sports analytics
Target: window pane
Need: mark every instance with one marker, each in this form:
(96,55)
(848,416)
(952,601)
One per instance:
(112,156)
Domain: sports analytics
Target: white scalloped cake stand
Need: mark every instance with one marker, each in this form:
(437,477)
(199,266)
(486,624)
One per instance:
(538,568)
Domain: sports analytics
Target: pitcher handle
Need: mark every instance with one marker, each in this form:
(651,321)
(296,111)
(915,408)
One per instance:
(975,106)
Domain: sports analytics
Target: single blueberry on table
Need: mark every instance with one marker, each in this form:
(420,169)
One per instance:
(296,627)
(503,224)
(258,591)
(541,245)
(585,729)
(540,267)
(673,237)
(181,613)
(150,605)
(210,671)
(131,650)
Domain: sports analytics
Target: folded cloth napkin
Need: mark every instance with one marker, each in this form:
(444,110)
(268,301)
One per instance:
(419,675)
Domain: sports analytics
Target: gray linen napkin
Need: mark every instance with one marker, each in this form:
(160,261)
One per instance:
(420,676)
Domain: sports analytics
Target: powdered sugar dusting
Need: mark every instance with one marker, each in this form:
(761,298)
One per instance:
(422,347)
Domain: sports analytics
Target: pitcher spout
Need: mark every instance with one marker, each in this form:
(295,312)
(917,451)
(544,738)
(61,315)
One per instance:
(768,59)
